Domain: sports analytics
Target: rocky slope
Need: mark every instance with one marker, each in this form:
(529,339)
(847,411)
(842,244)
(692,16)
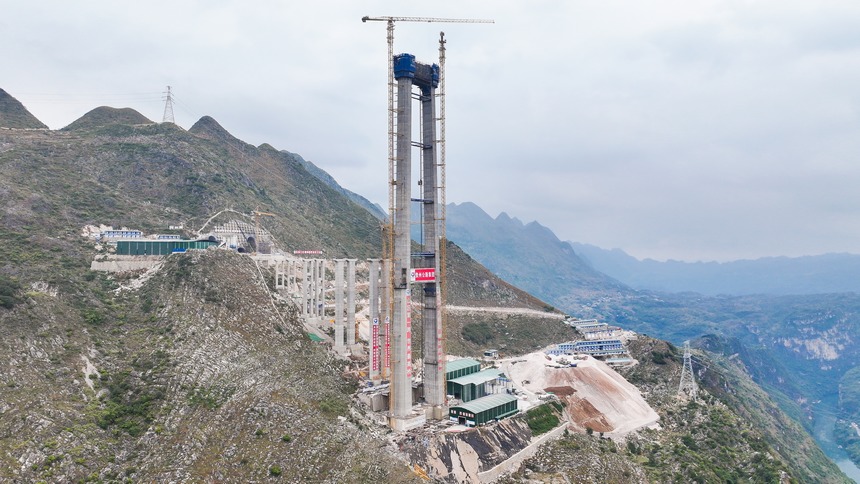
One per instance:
(732,433)
(195,376)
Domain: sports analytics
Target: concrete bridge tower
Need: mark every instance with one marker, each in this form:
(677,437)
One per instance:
(409,74)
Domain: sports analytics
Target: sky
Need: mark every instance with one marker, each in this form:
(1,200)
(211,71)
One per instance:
(687,130)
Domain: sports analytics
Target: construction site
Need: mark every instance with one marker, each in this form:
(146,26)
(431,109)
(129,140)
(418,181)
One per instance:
(368,311)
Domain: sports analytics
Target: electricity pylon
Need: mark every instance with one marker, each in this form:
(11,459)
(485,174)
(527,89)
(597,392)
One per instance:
(688,381)
(168,107)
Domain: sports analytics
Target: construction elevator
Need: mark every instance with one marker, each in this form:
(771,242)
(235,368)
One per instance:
(421,269)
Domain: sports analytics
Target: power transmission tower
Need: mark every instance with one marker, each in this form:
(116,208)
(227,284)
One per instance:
(168,107)
(688,381)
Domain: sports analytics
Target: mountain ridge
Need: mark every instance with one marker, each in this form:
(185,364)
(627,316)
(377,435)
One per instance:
(14,115)
(779,275)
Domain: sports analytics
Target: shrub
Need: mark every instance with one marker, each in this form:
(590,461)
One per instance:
(9,289)
(542,419)
(333,406)
(478,333)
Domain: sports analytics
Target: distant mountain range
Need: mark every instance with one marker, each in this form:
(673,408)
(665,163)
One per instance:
(529,255)
(821,274)
(798,347)
(511,249)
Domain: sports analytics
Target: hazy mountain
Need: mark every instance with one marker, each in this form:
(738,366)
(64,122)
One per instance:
(822,274)
(529,255)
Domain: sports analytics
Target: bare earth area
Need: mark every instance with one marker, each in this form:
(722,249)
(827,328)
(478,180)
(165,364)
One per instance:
(596,396)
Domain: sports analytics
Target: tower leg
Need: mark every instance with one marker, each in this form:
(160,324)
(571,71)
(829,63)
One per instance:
(350,302)
(401,321)
(338,304)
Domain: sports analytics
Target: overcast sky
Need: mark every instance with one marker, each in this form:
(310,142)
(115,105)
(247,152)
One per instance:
(690,130)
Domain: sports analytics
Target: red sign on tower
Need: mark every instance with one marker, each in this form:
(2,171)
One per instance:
(423,275)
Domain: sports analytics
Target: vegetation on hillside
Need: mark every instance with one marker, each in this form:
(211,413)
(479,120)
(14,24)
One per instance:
(13,114)
(733,432)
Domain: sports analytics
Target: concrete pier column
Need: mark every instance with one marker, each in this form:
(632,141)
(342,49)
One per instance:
(338,303)
(279,274)
(350,302)
(312,304)
(373,346)
(385,319)
(432,347)
(321,290)
(306,287)
(292,280)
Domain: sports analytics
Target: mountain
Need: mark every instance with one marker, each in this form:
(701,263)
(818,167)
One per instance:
(106,116)
(529,255)
(821,274)
(13,114)
(321,174)
(195,374)
(199,371)
(796,347)
(694,443)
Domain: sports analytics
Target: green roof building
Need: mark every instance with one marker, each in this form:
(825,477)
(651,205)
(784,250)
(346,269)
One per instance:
(483,410)
(463,367)
(473,385)
(160,247)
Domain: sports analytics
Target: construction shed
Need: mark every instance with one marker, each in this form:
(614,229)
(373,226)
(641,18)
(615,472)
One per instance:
(483,410)
(160,247)
(462,367)
(476,385)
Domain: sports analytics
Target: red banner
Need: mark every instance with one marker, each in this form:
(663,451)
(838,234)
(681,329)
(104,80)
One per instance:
(423,275)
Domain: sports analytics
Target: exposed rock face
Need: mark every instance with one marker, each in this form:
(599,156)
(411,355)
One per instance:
(460,457)
(596,396)
(196,376)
